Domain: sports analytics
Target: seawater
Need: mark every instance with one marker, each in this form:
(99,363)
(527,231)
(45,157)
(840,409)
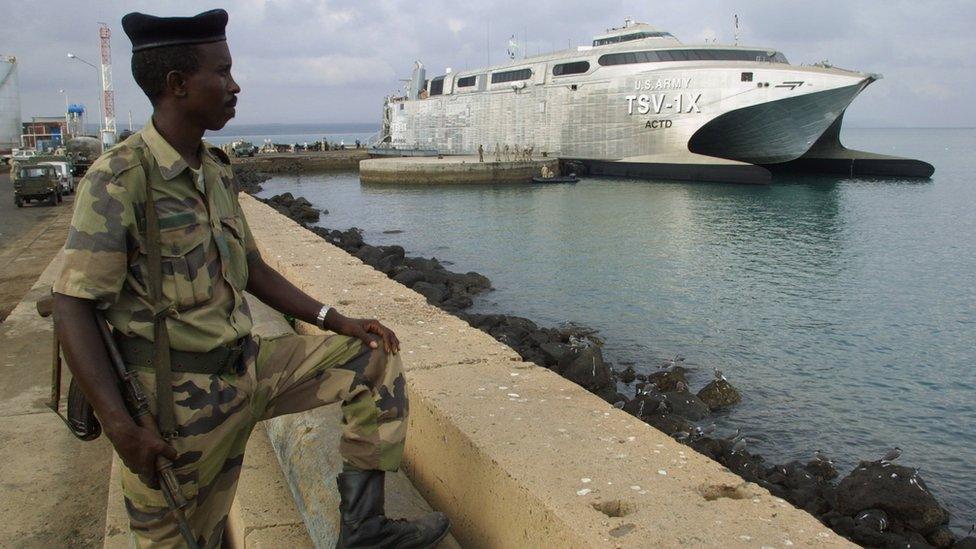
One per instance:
(843,309)
(291,134)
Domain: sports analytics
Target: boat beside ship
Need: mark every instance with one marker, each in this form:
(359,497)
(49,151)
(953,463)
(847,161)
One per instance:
(638,102)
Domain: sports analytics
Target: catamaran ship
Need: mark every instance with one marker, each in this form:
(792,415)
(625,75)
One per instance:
(638,102)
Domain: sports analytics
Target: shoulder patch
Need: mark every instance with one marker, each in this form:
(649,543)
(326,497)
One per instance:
(220,154)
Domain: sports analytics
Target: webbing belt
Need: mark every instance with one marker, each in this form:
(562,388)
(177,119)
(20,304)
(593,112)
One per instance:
(139,352)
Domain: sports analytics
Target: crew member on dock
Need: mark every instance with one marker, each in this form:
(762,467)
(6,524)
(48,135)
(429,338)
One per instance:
(220,380)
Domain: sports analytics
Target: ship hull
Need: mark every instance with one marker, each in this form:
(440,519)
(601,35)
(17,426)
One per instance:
(774,131)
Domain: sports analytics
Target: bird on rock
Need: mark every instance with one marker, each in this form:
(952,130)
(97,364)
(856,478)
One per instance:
(820,456)
(700,431)
(719,376)
(675,360)
(739,446)
(891,455)
(735,436)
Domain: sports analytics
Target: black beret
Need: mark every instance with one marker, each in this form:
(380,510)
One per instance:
(148,31)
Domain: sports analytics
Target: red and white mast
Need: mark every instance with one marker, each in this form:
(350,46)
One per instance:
(108,94)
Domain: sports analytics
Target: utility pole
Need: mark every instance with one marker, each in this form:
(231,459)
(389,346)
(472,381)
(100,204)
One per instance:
(109,135)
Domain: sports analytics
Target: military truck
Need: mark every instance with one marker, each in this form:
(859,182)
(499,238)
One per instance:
(244,148)
(36,182)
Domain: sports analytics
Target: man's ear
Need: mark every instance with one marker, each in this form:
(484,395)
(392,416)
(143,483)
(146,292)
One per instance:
(176,83)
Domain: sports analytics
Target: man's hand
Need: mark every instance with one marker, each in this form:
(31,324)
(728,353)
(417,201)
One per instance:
(273,289)
(138,448)
(361,328)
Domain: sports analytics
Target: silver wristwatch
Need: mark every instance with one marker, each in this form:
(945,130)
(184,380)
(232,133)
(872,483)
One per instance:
(320,318)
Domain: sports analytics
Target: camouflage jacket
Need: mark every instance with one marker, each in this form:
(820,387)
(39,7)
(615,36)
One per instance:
(205,243)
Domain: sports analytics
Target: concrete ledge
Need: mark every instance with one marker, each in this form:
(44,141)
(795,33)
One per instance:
(264,513)
(450,169)
(515,454)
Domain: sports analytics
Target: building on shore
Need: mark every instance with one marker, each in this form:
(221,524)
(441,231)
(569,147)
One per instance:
(10,128)
(44,132)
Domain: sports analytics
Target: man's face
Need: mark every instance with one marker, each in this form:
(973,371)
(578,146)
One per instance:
(211,90)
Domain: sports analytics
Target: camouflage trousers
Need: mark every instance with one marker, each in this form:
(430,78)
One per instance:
(277,376)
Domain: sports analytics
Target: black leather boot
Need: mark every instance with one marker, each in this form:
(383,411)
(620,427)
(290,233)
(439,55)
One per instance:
(364,524)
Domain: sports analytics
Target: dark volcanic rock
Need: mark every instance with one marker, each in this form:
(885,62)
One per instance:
(942,537)
(965,543)
(707,446)
(587,369)
(422,264)
(248,179)
(410,277)
(687,405)
(644,406)
(556,351)
(435,293)
(822,469)
(719,394)
(670,380)
(628,375)
(874,519)
(897,490)
(669,424)
(369,254)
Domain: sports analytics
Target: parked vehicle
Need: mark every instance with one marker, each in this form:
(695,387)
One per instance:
(83,151)
(65,176)
(22,155)
(36,182)
(244,148)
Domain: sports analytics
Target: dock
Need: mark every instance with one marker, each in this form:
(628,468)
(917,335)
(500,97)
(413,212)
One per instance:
(451,169)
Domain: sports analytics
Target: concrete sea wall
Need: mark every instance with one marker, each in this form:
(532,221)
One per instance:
(514,453)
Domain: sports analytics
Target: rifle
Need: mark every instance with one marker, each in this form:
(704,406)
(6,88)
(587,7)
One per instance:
(86,427)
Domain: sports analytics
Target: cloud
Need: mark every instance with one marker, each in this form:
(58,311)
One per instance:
(455,25)
(326,70)
(335,60)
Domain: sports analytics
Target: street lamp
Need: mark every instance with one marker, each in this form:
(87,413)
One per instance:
(64,138)
(99,73)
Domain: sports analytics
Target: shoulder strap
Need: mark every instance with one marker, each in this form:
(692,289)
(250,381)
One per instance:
(165,413)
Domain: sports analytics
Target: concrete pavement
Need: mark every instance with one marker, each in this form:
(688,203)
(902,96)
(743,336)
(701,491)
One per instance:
(29,238)
(53,487)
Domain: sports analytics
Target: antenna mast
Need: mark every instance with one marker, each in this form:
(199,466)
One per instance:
(108,94)
(736,19)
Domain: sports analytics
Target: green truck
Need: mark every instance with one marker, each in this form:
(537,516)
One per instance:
(244,148)
(36,182)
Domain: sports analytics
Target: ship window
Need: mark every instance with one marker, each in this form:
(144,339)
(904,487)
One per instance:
(467,81)
(576,67)
(437,86)
(710,54)
(511,76)
(629,37)
(747,77)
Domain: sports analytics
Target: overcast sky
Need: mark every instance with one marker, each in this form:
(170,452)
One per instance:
(334,61)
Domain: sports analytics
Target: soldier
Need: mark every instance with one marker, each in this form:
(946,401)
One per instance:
(481,153)
(220,380)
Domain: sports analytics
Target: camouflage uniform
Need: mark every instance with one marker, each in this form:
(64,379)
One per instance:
(205,245)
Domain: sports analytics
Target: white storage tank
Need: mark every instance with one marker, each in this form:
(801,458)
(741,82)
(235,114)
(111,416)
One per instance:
(10,126)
